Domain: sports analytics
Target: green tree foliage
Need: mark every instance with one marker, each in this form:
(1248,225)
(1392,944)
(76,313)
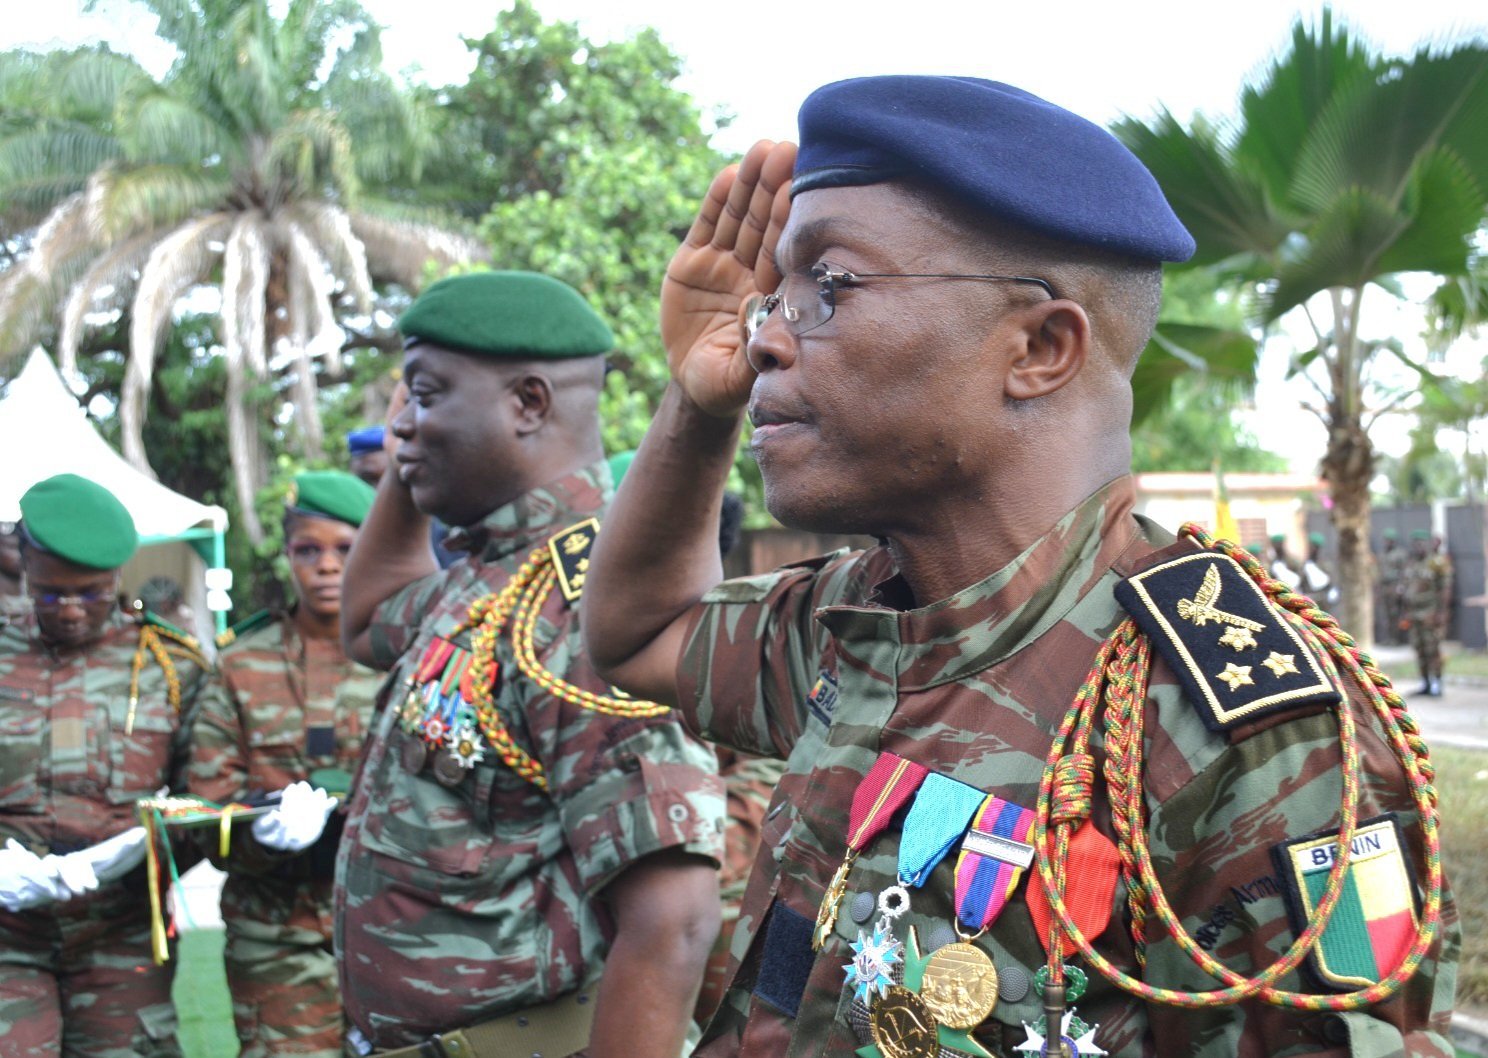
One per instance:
(1345,169)
(257,165)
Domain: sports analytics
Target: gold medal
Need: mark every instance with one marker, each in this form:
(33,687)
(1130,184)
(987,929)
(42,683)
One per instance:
(960,985)
(414,754)
(826,914)
(903,1027)
(448,769)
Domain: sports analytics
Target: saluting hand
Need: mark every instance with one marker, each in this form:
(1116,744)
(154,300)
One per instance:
(728,255)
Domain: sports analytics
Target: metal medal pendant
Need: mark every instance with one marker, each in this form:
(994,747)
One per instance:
(903,1027)
(826,914)
(960,985)
(448,769)
(414,753)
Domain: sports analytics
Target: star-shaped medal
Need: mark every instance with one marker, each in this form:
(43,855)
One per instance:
(1281,664)
(1235,676)
(466,748)
(1083,1044)
(874,958)
(1239,638)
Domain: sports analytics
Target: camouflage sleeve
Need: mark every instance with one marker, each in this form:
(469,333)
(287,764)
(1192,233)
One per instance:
(397,618)
(624,787)
(753,654)
(1219,838)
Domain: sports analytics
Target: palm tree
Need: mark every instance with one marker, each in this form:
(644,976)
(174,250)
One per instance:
(1343,170)
(264,164)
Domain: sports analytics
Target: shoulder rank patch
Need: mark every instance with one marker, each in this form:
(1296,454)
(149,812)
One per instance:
(252,623)
(570,551)
(1375,920)
(1237,658)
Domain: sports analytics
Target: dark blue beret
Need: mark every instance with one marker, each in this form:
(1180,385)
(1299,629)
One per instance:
(998,149)
(367,439)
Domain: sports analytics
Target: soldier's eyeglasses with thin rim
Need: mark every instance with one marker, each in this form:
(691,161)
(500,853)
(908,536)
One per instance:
(47,600)
(808,299)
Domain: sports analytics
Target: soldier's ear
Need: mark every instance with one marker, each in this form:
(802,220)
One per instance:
(533,394)
(1053,344)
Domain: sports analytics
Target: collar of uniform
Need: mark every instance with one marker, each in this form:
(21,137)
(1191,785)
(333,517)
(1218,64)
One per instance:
(536,515)
(993,619)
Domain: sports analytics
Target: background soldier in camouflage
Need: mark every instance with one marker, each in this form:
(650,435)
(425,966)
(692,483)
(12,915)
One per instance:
(1392,561)
(957,294)
(470,895)
(1426,600)
(295,708)
(76,977)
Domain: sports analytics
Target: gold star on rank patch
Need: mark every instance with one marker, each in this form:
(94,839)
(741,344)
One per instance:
(1239,638)
(1235,676)
(1281,664)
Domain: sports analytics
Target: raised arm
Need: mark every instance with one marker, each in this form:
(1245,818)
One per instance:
(392,550)
(658,552)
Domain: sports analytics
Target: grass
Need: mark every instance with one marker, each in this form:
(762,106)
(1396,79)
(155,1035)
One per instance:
(200,992)
(1462,783)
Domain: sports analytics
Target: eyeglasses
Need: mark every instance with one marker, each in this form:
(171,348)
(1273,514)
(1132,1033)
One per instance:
(807,299)
(310,554)
(47,600)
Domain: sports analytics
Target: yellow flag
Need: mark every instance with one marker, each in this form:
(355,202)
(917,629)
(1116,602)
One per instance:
(1225,526)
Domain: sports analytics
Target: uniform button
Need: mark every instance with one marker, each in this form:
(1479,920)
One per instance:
(1335,1032)
(861,908)
(1012,983)
(521,1022)
(677,813)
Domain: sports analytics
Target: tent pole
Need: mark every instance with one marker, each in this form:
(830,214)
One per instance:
(219,559)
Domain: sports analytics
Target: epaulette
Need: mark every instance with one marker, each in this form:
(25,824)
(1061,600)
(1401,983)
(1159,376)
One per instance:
(248,624)
(570,552)
(1235,655)
(165,632)
(150,617)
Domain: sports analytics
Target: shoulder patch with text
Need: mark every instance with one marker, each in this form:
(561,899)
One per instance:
(1237,658)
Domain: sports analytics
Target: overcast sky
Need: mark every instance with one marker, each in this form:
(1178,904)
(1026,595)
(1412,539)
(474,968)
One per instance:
(757,61)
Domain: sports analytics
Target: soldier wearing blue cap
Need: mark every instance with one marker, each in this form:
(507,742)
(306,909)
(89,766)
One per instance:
(1027,714)
(369,459)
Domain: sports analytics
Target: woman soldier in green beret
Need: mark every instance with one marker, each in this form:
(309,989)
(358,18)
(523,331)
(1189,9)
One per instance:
(292,720)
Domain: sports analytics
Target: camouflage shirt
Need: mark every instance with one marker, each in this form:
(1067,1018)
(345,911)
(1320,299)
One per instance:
(69,774)
(457,905)
(288,707)
(816,665)
(1425,585)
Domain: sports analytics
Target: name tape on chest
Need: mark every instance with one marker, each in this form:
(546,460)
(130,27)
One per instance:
(1374,922)
(570,551)
(1237,658)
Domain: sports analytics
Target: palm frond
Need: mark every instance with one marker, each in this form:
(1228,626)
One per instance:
(177,262)
(308,313)
(156,124)
(116,269)
(123,201)
(329,226)
(245,278)
(400,251)
(1225,358)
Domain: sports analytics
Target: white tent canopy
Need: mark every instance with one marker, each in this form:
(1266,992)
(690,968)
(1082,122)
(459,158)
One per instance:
(45,432)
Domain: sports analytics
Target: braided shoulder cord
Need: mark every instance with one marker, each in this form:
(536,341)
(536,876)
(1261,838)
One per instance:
(150,643)
(520,603)
(1118,680)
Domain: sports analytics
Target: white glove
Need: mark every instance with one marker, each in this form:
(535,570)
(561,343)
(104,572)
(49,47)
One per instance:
(26,880)
(297,820)
(112,858)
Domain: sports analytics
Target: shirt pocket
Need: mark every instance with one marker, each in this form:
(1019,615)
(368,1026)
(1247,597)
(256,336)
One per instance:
(21,728)
(140,761)
(276,751)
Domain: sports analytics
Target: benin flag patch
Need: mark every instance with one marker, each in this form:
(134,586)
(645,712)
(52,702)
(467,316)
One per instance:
(1375,920)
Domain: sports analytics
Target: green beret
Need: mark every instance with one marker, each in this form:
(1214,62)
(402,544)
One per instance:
(619,464)
(331,494)
(1278,538)
(516,315)
(1316,539)
(1391,534)
(1420,534)
(1255,549)
(80,521)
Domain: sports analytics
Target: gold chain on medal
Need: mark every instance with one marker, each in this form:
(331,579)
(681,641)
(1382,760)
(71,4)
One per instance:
(519,604)
(1118,681)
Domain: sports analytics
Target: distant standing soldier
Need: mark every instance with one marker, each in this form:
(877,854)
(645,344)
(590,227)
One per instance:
(1426,596)
(294,713)
(1392,562)
(95,713)
(1316,581)
(1281,566)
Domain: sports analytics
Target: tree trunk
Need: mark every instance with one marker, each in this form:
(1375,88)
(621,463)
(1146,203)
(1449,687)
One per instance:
(1348,468)
(247,452)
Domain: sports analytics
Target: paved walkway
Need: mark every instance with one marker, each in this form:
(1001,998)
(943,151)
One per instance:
(1458,718)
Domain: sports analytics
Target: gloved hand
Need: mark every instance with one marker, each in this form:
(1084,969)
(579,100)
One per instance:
(113,858)
(26,880)
(297,820)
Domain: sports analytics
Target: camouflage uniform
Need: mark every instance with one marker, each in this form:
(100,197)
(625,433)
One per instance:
(1392,565)
(458,905)
(291,706)
(814,664)
(750,782)
(77,978)
(1427,579)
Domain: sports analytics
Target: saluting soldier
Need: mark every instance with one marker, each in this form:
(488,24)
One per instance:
(1031,739)
(95,714)
(294,713)
(519,826)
